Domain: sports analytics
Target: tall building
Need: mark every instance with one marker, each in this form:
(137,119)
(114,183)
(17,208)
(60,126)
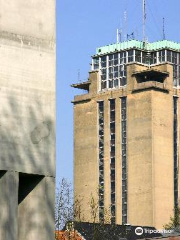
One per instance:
(27,125)
(126,133)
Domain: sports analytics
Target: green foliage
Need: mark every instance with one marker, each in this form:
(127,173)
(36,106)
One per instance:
(174,221)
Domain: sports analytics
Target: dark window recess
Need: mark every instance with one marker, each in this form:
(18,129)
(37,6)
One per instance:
(124,159)
(123,81)
(112,160)
(175,136)
(150,76)
(101,155)
(112,117)
(112,142)
(112,136)
(101,144)
(103,85)
(112,156)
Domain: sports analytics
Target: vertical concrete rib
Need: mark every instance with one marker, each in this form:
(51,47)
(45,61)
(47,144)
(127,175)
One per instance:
(8,205)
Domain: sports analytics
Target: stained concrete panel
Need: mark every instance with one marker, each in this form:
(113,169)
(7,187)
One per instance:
(8,205)
(139,158)
(32,18)
(85,153)
(27,110)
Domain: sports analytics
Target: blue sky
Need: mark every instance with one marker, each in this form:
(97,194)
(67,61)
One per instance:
(84,25)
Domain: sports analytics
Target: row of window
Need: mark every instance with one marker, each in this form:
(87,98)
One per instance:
(101,160)
(175,133)
(112,158)
(124,158)
(135,56)
(113,66)
(112,105)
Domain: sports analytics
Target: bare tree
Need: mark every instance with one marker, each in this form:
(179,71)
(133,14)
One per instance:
(64,204)
(68,212)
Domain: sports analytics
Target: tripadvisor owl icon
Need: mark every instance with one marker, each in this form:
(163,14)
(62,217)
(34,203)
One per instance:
(139,231)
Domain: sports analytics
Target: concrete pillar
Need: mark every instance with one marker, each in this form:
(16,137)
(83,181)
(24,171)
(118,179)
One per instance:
(8,205)
(36,207)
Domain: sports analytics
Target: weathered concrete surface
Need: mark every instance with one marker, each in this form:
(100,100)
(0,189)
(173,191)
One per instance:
(35,212)
(31,18)
(27,125)
(27,93)
(8,205)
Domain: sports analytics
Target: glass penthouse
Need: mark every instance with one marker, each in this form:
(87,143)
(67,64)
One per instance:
(111,60)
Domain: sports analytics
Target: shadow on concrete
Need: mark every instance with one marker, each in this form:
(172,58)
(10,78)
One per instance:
(27,149)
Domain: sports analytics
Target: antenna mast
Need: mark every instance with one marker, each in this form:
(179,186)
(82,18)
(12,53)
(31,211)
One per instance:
(144,20)
(164,35)
(125,20)
(119,32)
(125,25)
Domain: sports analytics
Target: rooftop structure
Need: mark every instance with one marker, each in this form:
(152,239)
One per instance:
(111,60)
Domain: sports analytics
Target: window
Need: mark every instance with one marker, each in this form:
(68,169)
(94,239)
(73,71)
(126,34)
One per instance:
(111,60)
(138,56)
(169,56)
(95,63)
(115,59)
(162,56)
(122,57)
(103,62)
(153,58)
(130,56)
(174,57)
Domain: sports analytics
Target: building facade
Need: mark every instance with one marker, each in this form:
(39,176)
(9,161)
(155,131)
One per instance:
(126,133)
(27,132)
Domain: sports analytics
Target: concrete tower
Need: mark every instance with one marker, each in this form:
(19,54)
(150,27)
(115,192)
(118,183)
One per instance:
(27,125)
(126,134)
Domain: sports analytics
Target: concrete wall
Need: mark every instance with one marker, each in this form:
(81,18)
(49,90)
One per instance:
(163,166)
(27,113)
(31,18)
(139,159)
(85,151)
(27,94)
(8,205)
(35,212)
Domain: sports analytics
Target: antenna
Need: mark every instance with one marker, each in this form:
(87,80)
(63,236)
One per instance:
(117,35)
(119,32)
(131,36)
(144,20)
(164,35)
(79,78)
(125,25)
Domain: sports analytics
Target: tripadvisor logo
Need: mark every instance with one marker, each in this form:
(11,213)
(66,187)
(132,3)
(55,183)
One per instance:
(139,231)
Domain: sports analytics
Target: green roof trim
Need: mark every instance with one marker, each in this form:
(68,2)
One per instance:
(138,45)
